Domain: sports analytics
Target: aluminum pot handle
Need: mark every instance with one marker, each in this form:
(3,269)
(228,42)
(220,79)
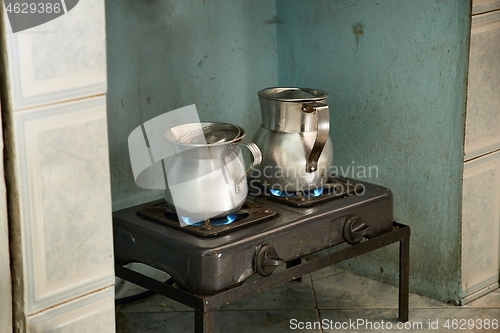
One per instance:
(323,114)
(257,158)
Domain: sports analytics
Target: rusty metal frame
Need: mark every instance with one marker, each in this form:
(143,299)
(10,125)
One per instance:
(205,305)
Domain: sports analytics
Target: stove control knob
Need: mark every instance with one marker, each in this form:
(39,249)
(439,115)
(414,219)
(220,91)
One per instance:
(354,230)
(267,260)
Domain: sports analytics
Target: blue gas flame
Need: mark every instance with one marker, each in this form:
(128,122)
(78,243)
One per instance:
(191,221)
(309,194)
(317,192)
(280,193)
(276,193)
(223,220)
(313,193)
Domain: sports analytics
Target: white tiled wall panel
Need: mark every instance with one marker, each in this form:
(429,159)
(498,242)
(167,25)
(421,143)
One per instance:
(90,314)
(65,201)
(60,60)
(481,220)
(482,6)
(483,104)
(5,282)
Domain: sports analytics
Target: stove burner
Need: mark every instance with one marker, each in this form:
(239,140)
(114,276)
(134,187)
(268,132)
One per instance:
(308,194)
(335,188)
(249,214)
(217,221)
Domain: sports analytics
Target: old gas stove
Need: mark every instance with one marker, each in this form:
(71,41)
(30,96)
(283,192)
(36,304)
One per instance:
(210,260)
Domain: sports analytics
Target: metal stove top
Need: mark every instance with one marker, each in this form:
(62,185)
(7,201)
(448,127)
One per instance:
(251,213)
(232,253)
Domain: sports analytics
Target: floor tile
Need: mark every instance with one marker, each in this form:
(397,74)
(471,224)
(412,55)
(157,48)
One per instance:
(384,320)
(341,297)
(345,290)
(225,321)
(275,321)
(155,303)
(171,322)
(326,272)
(491,300)
(291,295)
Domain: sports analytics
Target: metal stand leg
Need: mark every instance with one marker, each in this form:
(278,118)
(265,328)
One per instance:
(293,263)
(404,279)
(204,321)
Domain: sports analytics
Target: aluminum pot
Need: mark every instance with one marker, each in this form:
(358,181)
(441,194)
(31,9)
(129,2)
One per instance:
(206,175)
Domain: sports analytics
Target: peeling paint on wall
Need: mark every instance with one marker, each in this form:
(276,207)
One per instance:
(358,30)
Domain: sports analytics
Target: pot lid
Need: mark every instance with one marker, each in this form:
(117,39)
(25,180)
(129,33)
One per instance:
(293,94)
(211,133)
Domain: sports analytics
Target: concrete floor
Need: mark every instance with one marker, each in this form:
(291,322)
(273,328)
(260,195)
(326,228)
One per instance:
(330,296)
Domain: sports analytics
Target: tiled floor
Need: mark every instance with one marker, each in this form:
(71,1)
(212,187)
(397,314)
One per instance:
(330,296)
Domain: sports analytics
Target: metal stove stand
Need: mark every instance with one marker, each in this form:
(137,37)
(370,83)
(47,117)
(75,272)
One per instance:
(205,306)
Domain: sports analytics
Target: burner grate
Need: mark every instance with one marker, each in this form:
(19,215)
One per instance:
(249,214)
(334,189)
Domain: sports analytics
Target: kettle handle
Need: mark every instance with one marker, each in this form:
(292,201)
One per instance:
(323,114)
(257,158)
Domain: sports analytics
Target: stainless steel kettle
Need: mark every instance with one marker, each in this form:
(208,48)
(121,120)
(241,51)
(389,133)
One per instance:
(294,139)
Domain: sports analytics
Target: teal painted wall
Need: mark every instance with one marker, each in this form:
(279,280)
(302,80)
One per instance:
(396,72)
(164,55)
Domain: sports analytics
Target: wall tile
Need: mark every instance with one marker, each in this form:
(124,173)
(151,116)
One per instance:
(481,220)
(60,60)
(257,321)
(482,6)
(483,104)
(65,201)
(92,313)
